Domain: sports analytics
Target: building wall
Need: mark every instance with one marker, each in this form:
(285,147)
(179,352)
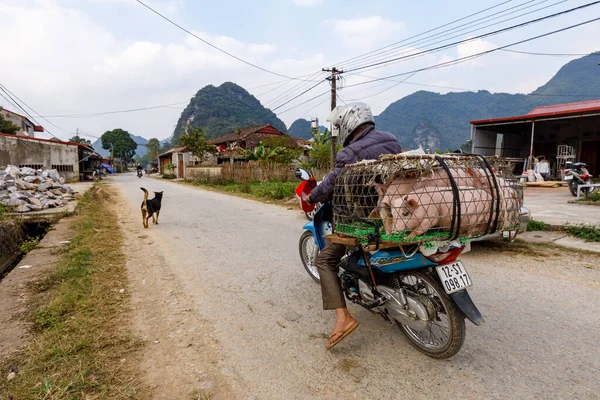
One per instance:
(35,154)
(25,127)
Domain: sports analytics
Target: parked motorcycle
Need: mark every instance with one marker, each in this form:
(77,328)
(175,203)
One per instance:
(425,296)
(577,174)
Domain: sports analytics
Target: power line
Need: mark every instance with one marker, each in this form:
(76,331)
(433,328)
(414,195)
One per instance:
(420,34)
(213,46)
(385,90)
(9,93)
(467,58)
(460,28)
(89,115)
(463,33)
(477,37)
(552,54)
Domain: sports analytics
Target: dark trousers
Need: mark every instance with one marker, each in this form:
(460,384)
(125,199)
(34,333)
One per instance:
(327,264)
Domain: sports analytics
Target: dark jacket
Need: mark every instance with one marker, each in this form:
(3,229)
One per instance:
(367,145)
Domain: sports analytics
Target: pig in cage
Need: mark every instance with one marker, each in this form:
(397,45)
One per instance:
(421,198)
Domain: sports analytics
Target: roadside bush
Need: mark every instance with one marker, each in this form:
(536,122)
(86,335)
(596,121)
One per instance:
(30,244)
(594,196)
(534,225)
(274,190)
(169,176)
(589,233)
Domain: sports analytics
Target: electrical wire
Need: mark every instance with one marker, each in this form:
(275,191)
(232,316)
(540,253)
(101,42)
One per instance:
(520,25)
(420,34)
(385,90)
(552,54)
(89,115)
(473,56)
(446,38)
(213,46)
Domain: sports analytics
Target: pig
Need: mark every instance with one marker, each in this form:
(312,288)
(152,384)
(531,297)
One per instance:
(426,208)
(400,187)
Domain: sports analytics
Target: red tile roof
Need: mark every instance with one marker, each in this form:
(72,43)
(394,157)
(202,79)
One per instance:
(244,132)
(557,110)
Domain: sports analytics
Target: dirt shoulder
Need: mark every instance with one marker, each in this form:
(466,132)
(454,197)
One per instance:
(181,354)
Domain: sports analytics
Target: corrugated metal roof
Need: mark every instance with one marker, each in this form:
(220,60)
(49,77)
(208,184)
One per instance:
(46,140)
(557,110)
(240,135)
(173,150)
(567,108)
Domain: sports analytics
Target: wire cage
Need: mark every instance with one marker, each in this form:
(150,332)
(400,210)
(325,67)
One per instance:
(420,198)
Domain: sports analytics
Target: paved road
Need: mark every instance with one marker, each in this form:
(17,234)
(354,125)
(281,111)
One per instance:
(239,261)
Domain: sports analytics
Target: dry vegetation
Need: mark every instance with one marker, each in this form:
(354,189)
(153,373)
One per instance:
(81,345)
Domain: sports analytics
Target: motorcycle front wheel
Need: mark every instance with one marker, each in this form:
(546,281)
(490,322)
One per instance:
(308,254)
(445,332)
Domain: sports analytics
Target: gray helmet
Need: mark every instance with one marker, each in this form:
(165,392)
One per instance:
(349,117)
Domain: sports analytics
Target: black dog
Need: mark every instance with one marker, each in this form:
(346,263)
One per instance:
(151,207)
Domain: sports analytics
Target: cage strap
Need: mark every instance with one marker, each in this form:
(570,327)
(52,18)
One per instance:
(456,209)
(494,192)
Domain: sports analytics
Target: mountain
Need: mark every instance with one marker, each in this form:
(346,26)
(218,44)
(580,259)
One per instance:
(140,151)
(300,128)
(221,110)
(441,121)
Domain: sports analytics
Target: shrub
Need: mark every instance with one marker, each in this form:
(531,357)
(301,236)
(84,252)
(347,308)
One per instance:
(169,176)
(590,233)
(534,225)
(594,196)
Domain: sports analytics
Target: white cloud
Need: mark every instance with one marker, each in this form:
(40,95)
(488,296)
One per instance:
(85,68)
(366,32)
(308,3)
(474,47)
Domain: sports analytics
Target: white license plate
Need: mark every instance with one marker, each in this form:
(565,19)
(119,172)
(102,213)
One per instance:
(454,276)
(568,177)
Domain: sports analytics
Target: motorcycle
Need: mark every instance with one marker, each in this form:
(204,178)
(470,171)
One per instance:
(139,173)
(96,175)
(306,186)
(577,174)
(423,293)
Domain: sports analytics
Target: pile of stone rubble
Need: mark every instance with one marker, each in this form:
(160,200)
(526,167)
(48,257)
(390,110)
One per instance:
(26,189)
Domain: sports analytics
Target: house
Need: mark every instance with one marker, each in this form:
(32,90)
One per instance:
(228,146)
(26,127)
(70,159)
(557,133)
(180,158)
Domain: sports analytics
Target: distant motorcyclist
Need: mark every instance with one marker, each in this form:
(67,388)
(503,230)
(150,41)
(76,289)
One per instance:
(97,168)
(361,141)
(139,170)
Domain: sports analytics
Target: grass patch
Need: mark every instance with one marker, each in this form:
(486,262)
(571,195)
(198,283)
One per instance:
(169,176)
(534,225)
(80,345)
(594,196)
(273,190)
(590,233)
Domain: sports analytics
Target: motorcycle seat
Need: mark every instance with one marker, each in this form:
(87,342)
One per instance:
(579,164)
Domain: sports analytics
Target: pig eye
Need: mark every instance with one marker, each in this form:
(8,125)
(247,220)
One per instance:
(405,213)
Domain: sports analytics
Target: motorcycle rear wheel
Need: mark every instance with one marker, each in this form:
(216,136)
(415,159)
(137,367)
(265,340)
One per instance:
(308,254)
(573,187)
(443,311)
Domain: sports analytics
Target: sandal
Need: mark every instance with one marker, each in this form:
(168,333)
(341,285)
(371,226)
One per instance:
(342,334)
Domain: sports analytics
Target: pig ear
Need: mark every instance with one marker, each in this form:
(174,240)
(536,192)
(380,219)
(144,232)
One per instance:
(412,203)
(374,214)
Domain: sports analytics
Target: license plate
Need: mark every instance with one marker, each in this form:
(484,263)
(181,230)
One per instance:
(568,177)
(454,277)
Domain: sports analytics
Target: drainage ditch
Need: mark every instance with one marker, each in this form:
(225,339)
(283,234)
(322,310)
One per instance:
(17,238)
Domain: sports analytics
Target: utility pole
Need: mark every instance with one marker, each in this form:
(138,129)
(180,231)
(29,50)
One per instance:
(333,78)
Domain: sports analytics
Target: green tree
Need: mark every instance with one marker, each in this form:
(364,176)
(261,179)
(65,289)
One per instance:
(153,146)
(6,126)
(320,152)
(195,141)
(79,139)
(263,153)
(119,141)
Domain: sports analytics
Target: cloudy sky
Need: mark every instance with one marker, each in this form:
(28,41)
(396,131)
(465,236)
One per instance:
(72,59)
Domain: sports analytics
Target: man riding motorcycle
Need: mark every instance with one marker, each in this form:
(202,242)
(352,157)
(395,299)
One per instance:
(361,141)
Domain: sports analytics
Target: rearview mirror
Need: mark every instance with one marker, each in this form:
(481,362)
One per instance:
(302,174)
